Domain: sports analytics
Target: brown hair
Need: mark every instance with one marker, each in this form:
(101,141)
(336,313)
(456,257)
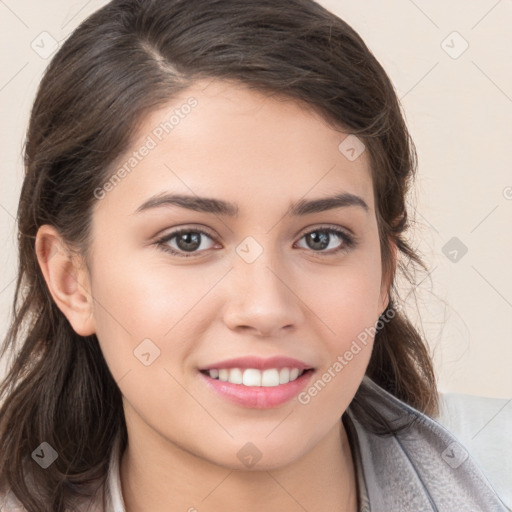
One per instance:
(125,60)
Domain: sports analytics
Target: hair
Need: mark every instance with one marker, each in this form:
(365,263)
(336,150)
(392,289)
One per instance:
(123,62)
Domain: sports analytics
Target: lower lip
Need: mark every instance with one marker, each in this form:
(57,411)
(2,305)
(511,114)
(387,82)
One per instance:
(258,397)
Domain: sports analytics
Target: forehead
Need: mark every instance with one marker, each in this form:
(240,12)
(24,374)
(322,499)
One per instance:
(221,138)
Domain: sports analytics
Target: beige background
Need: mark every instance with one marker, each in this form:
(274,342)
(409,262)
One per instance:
(458,105)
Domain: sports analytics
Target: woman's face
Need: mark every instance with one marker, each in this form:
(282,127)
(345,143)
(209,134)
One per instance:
(256,275)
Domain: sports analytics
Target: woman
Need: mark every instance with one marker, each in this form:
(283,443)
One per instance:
(211,221)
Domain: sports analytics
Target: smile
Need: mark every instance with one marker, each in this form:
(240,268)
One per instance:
(254,377)
(258,389)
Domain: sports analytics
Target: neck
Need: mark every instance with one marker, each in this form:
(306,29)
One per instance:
(159,476)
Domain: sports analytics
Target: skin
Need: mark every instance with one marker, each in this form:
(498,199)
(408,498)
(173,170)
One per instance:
(262,153)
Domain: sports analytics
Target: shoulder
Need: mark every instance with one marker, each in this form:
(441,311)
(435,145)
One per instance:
(421,466)
(484,426)
(100,495)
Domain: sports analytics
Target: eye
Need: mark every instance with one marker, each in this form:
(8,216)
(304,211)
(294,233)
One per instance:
(181,241)
(192,241)
(328,238)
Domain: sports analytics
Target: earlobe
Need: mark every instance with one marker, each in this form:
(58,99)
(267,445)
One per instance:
(67,279)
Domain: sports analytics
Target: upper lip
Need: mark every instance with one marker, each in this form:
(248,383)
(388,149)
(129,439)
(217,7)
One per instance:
(259,363)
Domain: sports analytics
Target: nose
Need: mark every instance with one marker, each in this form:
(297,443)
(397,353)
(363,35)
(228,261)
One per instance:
(262,298)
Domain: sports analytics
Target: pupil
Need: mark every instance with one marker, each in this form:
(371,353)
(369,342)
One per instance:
(321,238)
(191,241)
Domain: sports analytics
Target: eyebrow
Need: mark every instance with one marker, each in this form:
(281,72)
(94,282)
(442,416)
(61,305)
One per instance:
(220,207)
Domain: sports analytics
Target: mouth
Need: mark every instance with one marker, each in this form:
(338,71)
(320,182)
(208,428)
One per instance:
(252,377)
(254,388)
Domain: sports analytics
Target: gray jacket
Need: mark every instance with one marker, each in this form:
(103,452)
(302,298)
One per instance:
(419,468)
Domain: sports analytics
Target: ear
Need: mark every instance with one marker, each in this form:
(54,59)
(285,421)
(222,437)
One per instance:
(67,279)
(387,278)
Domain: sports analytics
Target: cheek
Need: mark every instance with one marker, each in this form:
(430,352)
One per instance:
(346,299)
(351,316)
(137,300)
(346,305)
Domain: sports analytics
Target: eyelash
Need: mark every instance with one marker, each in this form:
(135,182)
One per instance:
(349,242)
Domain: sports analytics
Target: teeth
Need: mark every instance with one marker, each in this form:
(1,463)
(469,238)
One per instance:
(252,377)
(270,378)
(235,376)
(294,373)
